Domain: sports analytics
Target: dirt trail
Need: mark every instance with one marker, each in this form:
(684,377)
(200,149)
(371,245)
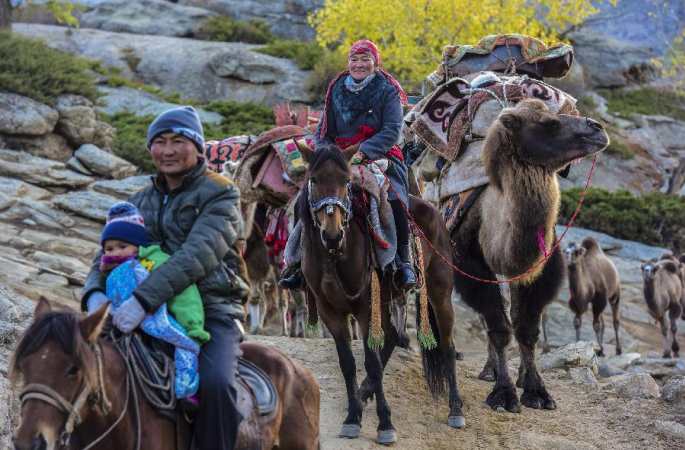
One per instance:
(585,419)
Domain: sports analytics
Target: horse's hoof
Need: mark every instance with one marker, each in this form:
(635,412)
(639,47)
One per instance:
(456,421)
(459,356)
(350,431)
(386,437)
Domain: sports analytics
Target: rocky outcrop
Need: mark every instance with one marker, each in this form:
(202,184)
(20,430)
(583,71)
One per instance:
(141,103)
(183,65)
(22,115)
(288,18)
(158,17)
(617,46)
(104,163)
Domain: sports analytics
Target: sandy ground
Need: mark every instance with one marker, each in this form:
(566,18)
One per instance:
(585,418)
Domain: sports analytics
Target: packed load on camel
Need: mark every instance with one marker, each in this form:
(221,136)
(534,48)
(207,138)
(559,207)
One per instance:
(473,84)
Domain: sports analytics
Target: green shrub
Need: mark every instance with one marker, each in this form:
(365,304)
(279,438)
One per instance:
(326,68)
(239,118)
(655,218)
(305,54)
(29,67)
(129,140)
(648,101)
(226,29)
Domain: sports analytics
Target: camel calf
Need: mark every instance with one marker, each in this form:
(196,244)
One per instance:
(593,278)
(663,292)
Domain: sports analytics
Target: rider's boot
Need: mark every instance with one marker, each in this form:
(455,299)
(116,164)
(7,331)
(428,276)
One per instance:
(407,277)
(292,278)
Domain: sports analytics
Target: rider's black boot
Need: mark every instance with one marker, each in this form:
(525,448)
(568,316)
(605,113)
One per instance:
(292,278)
(407,277)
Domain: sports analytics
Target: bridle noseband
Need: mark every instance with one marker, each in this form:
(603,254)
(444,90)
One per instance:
(88,394)
(329,203)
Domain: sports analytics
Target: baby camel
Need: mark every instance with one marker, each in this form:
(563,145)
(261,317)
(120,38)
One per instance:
(593,278)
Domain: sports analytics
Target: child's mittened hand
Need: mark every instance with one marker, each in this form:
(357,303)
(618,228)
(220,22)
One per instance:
(95,301)
(128,315)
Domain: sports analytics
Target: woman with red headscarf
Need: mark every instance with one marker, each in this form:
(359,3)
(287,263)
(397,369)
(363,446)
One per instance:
(364,106)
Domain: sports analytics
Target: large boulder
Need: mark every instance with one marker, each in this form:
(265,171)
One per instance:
(50,146)
(89,204)
(141,103)
(577,354)
(40,171)
(77,119)
(104,163)
(122,188)
(635,386)
(288,18)
(22,115)
(176,64)
(158,17)
(617,46)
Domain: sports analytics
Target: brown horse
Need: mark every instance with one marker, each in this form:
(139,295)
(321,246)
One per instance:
(337,266)
(78,393)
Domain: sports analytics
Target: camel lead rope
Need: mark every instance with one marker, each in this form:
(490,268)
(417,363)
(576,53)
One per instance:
(425,333)
(376,337)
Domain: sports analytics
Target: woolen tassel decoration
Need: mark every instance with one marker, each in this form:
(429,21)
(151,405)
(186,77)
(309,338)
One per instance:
(376,336)
(425,334)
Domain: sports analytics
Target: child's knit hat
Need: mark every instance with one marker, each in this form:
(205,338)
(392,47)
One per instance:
(125,223)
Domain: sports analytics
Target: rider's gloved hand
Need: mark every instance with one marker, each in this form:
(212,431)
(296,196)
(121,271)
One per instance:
(128,315)
(95,301)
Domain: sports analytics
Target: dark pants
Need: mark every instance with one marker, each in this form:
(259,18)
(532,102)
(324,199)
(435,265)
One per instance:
(216,424)
(402,225)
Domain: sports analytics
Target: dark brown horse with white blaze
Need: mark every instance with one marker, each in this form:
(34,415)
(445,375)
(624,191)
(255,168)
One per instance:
(337,266)
(78,393)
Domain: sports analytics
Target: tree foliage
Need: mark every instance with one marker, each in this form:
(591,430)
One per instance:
(411,33)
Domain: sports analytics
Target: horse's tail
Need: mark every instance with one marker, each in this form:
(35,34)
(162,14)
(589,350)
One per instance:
(437,364)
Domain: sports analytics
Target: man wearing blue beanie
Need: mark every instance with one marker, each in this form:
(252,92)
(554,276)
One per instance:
(194,215)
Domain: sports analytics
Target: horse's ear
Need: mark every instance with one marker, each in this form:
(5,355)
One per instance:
(43,307)
(305,149)
(91,326)
(350,151)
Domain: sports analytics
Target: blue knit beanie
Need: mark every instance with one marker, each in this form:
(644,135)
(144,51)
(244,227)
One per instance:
(183,121)
(124,223)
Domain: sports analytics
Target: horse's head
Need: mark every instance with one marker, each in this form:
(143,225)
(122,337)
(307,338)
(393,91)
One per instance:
(56,363)
(328,191)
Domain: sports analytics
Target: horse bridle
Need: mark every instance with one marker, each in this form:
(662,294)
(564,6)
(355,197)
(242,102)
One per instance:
(329,203)
(88,394)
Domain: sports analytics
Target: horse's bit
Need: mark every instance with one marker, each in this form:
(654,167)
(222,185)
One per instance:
(44,393)
(329,203)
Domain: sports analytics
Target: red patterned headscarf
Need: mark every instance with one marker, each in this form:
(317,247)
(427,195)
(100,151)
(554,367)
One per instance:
(361,46)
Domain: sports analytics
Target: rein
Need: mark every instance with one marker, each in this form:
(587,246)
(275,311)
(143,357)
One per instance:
(44,393)
(534,267)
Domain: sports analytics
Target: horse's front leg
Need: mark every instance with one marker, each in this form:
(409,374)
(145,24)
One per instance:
(340,330)
(386,433)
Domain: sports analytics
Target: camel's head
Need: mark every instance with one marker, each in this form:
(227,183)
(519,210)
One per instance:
(574,253)
(539,137)
(652,267)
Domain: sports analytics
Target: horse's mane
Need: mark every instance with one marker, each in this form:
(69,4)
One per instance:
(60,326)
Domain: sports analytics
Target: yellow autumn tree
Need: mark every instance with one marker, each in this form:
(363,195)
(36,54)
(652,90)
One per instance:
(412,33)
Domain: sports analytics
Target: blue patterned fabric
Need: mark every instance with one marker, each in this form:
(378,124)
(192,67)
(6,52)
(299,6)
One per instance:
(121,283)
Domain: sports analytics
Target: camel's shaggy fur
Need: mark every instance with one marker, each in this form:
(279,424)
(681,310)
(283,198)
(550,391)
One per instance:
(663,290)
(593,278)
(522,152)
